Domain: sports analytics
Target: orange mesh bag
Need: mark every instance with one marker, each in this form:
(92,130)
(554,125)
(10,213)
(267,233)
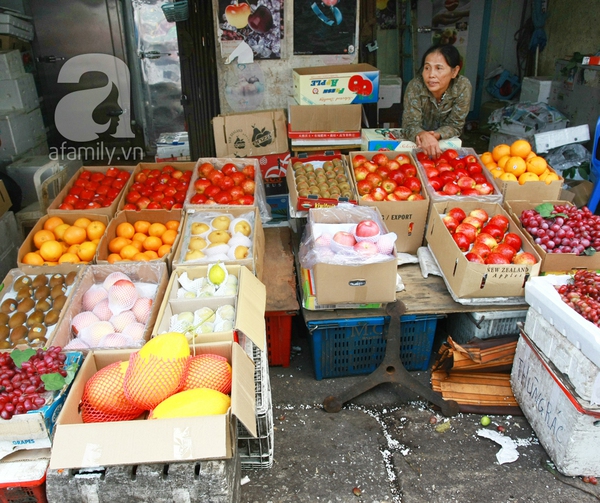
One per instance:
(104,396)
(208,371)
(157,370)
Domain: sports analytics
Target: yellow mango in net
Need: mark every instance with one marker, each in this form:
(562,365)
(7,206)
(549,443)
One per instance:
(193,402)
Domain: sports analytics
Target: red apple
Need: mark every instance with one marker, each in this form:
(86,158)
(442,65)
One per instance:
(360,172)
(486,239)
(363,187)
(392,197)
(248,186)
(465,182)
(344,238)
(366,248)
(450,222)
(524,258)
(379,194)
(451,189)
(379,159)
(468,230)
(432,172)
(473,257)
(480,214)
(499,221)
(484,188)
(154,206)
(397,176)
(413,183)
(389,185)
(436,183)
(408,170)
(65,206)
(457,213)
(496,258)
(475,222)
(371,166)
(462,241)
(403,159)
(402,192)
(383,172)
(481,249)
(357,160)
(496,232)
(449,154)
(469,192)
(474,168)
(374,179)
(198,199)
(132,196)
(393,164)
(508,251)
(143,202)
(512,239)
(415,197)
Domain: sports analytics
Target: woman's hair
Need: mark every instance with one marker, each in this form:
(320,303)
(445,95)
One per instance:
(450,53)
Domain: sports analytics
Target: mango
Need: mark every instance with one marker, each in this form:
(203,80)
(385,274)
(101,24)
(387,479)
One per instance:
(193,402)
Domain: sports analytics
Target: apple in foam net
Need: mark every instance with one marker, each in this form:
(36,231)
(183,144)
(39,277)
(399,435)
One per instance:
(367,228)
(366,248)
(344,238)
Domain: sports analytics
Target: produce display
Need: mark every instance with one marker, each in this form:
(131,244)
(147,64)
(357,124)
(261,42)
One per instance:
(453,175)
(32,308)
(156,189)
(93,189)
(217,283)
(518,162)
(142,241)
(563,228)
(228,185)
(385,179)
(59,242)
(484,239)
(583,295)
(322,179)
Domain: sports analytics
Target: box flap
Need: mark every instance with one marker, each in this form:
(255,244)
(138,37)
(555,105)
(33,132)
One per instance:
(5,202)
(243,393)
(252,301)
(325,117)
(24,431)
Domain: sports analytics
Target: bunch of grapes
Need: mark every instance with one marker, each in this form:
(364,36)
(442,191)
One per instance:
(570,230)
(583,295)
(21,388)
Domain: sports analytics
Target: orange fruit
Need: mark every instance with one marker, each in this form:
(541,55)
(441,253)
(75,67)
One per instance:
(520,148)
(141,226)
(128,251)
(87,250)
(33,258)
(73,249)
(139,236)
(515,165)
(113,257)
(500,151)
(528,177)
(82,222)
(497,172)
(163,250)
(116,244)
(503,160)
(68,258)
(95,230)
(530,155)
(141,257)
(491,165)
(508,177)
(169,236)
(537,165)
(41,236)
(52,222)
(59,231)
(172,224)
(486,158)
(75,235)
(152,243)
(551,177)
(151,254)
(157,229)
(51,250)
(125,230)
(138,245)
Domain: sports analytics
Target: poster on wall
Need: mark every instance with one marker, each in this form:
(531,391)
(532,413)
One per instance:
(255,27)
(325,26)
(451,25)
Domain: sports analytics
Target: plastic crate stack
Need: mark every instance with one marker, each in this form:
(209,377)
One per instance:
(465,326)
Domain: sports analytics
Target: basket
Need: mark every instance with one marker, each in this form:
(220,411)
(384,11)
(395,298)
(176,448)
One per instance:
(32,491)
(463,327)
(279,337)
(356,346)
(176,11)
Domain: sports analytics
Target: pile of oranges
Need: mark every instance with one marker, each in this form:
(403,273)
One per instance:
(518,163)
(142,241)
(59,242)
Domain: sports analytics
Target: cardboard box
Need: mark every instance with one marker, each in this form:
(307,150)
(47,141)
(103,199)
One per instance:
(564,424)
(249,303)
(35,429)
(577,192)
(551,262)
(303,203)
(325,117)
(406,218)
(469,280)
(536,89)
(109,211)
(371,282)
(153,274)
(531,191)
(273,168)
(336,85)
(373,140)
(5,202)
(250,134)
(255,260)
(153,441)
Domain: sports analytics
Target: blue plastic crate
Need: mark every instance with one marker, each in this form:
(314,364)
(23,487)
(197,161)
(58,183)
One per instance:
(356,346)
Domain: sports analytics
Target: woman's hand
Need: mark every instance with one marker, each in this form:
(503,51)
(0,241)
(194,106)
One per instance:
(428,142)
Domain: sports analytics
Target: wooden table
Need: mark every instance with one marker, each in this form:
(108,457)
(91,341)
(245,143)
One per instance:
(279,275)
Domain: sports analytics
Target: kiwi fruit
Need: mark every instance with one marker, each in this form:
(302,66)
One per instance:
(22,281)
(26,305)
(4,332)
(4,318)
(51,317)
(17,319)
(5,345)
(9,306)
(57,279)
(37,331)
(19,333)
(57,291)
(44,305)
(42,292)
(24,293)
(70,278)
(35,318)
(39,280)
(59,302)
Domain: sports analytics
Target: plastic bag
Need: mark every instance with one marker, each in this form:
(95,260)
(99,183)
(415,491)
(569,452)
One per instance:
(525,116)
(571,161)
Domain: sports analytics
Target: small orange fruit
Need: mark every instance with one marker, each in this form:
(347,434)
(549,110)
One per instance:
(486,158)
(163,250)
(52,222)
(128,251)
(139,236)
(152,243)
(157,229)
(140,257)
(125,230)
(528,177)
(520,148)
(59,231)
(95,230)
(116,244)
(537,165)
(51,250)
(113,257)
(69,258)
(75,235)
(172,224)
(151,254)
(551,177)
(87,250)
(41,236)
(497,172)
(33,258)
(508,177)
(73,249)
(491,165)
(530,155)
(141,226)
(82,222)
(169,236)
(500,151)
(503,160)
(515,165)
(138,245)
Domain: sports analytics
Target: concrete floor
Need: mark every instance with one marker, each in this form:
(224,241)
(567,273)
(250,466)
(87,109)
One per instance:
(387,446)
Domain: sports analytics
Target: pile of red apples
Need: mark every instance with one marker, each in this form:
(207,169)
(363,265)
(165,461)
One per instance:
(385,179)
(451,175)
(485,239)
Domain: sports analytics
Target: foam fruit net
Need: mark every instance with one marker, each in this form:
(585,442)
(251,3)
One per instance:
(208,371)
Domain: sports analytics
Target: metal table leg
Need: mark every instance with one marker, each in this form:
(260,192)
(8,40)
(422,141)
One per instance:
(391,370)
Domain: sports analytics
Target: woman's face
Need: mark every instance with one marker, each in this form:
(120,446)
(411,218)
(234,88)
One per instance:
(438,74)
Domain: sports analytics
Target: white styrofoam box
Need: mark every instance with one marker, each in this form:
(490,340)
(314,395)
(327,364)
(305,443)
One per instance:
(16,26)
(10,242)
(554,139)
(20,131)
(536,89)
(390,92)
(11,64)
(541,295)
(19,6)
(565,426)
(583,375)
(465,326)
(19,93)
